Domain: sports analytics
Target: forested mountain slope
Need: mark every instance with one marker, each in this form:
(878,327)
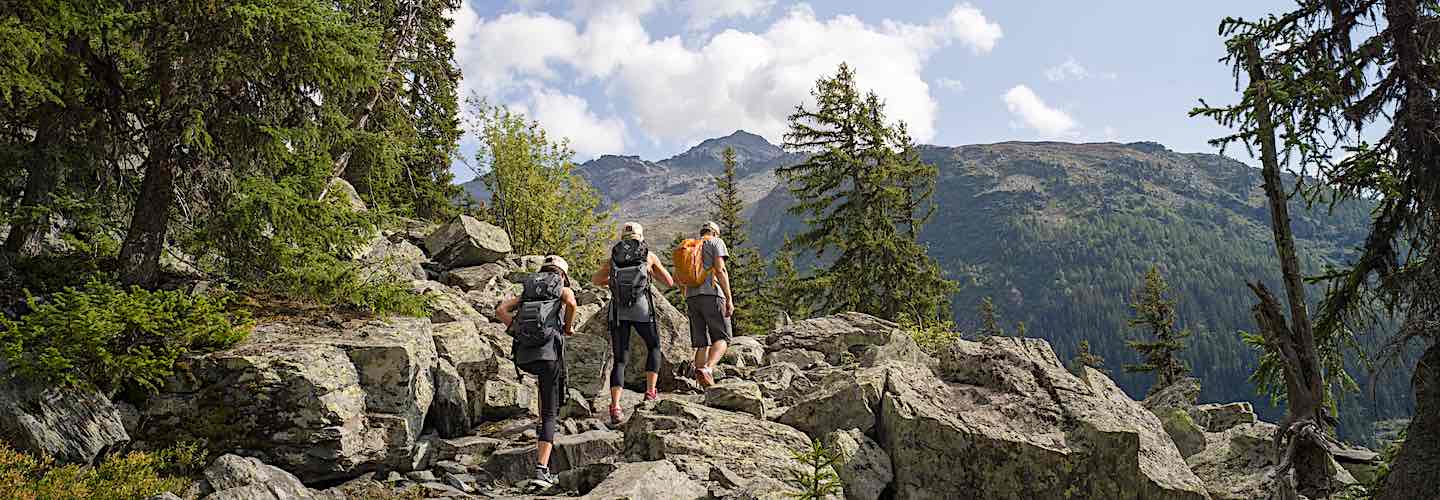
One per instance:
(1059,234)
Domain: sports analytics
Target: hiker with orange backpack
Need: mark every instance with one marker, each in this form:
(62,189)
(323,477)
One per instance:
(628,275)
(700,270)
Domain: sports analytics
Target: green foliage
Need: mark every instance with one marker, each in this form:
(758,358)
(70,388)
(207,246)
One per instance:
(933,338)
(748,282)
(535,194)
(817,479)
(787,289)
(989,320)
(131,476)
(115,339)
(1154,310)
(1083,358)
(864,195)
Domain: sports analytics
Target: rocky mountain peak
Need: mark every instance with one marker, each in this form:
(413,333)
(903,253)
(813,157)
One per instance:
(749,149)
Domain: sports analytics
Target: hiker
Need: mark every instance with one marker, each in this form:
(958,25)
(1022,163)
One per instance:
(701,266)
(539,320)
(628,274)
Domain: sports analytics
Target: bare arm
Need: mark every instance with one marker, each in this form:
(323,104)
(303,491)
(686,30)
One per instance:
(722,276)
(602,276)
(505,311)
(658,269)
(568,298)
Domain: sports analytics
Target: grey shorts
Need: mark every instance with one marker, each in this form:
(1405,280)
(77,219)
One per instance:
(708,323)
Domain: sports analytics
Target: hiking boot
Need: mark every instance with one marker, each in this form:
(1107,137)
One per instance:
(544,480)
(706,379)
(616,416)
(651,395)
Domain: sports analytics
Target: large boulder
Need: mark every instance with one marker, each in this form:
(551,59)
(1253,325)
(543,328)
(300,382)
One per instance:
(1005,419)
(870,340)
(236,477)
(71,424)
(477,278)
(739,395)
(1218,417)
(391,258)
(696,438)
(844,400)
(450,408)
(1239,462)
(1189,438)
(655,480)
(1177,396)
(467,242)
(861,463)
(446,304)
(324,402)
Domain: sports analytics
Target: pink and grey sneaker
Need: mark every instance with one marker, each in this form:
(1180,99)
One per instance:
(616,415)
(651,395)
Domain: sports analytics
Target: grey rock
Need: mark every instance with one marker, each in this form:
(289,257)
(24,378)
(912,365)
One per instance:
(446,304)
(744,351)
(1189,438)
(872,341)
(71,424)
(231,472)
(164,496)
(475,446)
(1177,396)
(1239,462)
(584,479)
(339,189)
(863,466)
(458,482)
(421,476)
(739,395)
(655,480)
(1006,408)
(1220,417)
(439,489)
(590,447)
(451,466)
(450,408)
(505,396)
(467,242)
(801,358)
(387,259)
(513,464)
(776,379)
(695,437)
(844,400)
(476,278)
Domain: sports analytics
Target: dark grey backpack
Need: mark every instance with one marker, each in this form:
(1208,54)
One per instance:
(629,271)
(538,322)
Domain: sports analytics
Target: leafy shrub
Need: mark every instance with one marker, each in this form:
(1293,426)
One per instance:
(933,338)
(133,475)
(115,339)
(817,480)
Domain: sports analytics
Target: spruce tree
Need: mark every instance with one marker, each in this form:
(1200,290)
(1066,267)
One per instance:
(864,194)
(1154,310)
(747,273)
(989,319)
(1084,358)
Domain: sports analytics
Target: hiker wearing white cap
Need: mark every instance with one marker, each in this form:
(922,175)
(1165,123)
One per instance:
(539,320)
(708,302)
(628,274)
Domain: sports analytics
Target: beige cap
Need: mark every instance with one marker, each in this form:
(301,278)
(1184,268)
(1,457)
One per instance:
(710,226)
(557,261)
(632,231)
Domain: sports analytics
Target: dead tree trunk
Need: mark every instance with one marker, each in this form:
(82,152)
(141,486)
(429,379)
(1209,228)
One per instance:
(1300,439)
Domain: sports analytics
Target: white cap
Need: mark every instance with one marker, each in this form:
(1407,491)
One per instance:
(557,261)
(710,226)
(632,231)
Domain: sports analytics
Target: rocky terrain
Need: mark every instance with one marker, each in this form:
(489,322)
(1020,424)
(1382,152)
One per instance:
(345,408)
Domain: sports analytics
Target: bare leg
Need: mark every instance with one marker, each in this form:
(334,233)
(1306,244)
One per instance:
(650,380)
(717,350)
(615,396)
(544,448)
(701,356)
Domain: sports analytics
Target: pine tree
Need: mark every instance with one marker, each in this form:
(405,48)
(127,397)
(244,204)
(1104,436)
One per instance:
(787,291)
(535,194)
(864,195)
(989,320)
(1155,311)
(747,273)
(1083,358)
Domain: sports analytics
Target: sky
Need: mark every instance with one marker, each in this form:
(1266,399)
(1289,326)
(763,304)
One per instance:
(654,77)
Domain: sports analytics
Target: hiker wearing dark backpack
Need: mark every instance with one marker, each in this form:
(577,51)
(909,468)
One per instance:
(628,274)
(538,321)
(700,269)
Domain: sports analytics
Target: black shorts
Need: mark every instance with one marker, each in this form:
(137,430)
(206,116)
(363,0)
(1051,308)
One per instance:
(708,323)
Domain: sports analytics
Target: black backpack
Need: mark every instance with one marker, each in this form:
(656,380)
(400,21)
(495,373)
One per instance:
(539,319)
(629,271)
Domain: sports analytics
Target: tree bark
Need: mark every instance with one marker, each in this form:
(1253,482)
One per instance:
(140,255)
(1415,472)
(1305,396)
(42,176)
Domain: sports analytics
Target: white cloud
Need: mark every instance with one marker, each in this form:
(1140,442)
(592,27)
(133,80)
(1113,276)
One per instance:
(700,14)
(1035,114)
(951,84)
(569,116)
(673,89)
(1068,70)
(1109,133)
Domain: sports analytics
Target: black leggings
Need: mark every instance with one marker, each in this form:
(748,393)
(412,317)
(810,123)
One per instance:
(549,373)
(620,343)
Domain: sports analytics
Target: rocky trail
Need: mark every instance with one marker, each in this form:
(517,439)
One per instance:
(332,408)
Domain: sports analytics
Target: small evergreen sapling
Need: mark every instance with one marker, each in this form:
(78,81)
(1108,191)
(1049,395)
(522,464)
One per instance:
(816,480)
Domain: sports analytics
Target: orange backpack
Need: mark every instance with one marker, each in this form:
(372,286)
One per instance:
(689,259)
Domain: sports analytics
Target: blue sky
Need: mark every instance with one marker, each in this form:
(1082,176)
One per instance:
(653,77)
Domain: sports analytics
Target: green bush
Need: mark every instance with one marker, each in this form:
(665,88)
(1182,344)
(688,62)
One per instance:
(113,338)
(934,337)
(133,475)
